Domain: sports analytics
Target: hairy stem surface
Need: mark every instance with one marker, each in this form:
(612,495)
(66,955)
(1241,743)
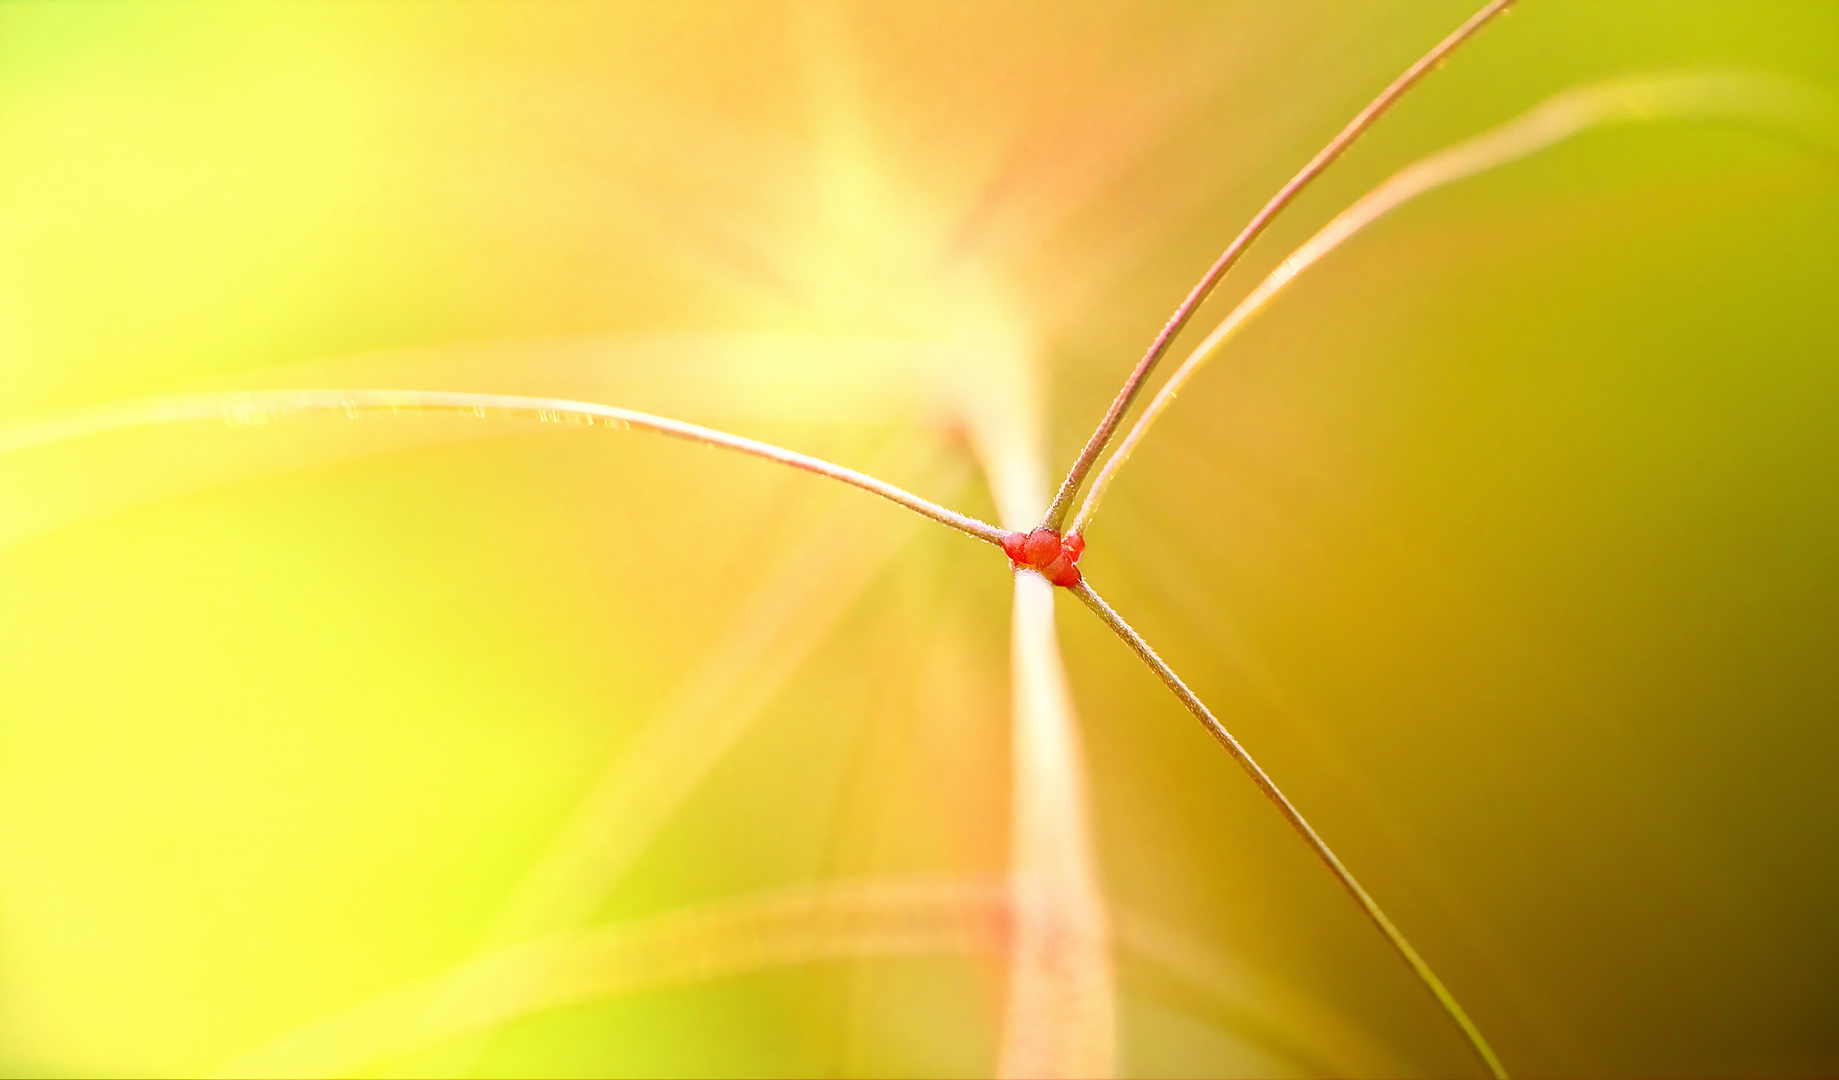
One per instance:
(268,406)
(1290,814)
(1075,477)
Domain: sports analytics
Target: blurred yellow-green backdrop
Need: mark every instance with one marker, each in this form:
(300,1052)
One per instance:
(1508,540)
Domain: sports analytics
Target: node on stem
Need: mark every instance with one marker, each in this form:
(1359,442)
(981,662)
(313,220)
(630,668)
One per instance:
(1056,557)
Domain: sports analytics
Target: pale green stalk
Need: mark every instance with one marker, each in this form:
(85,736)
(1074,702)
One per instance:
(1725,96)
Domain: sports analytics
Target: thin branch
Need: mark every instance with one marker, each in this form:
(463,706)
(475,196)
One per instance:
(1063,499)
(1727,96)
(262,407)
(1290,814)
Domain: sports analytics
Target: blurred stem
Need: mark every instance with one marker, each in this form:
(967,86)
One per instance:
(262,407)
(1059,1019)
(1750,98)
(844,919)
(1075,477)
(795,603)
(799,924)
(1290,814)
(1059,1012)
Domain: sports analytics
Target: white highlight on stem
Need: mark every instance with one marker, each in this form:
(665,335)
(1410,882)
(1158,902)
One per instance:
(1742,97)
(1059,1019)
(268,406)
(1060,1015)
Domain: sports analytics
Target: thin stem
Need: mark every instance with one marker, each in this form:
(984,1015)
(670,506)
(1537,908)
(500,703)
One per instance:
(1290,814)
(1731,96)
(261,407)
(799,924)
(969,915)
(1075,477)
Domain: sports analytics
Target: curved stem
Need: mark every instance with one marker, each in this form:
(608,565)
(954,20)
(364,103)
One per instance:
(1075,477)
(798,924)
(1651,97)
(266,406)
(1290,814)
(820,922)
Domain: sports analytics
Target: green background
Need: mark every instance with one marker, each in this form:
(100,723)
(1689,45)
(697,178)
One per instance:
(1508,540)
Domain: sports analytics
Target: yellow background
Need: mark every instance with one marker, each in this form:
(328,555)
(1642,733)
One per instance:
(1507,541)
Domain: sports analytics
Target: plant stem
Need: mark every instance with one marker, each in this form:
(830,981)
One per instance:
(1075,477)
(266,406)
(1732,96)
(1060,1007)
(1316,844)
(846,919)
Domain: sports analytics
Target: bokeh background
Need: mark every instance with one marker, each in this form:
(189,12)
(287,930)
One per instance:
(1508,540)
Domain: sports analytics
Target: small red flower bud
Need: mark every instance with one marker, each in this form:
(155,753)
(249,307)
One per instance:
(1042,546)
(1056,557)
(1061,571)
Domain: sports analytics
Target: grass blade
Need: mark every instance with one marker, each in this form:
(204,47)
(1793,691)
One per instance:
(264,407)
(1133,384)
(1320,847)
(1729,96)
